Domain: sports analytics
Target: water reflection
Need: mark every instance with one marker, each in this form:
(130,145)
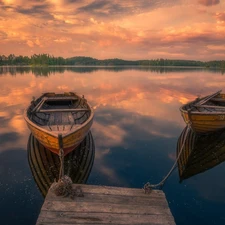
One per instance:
(51,70)
(45,165)
(136,126)
(200,153)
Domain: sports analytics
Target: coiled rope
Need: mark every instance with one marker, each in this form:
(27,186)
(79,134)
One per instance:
(147,187)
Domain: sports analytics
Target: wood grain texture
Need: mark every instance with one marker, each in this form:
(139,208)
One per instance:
(53,114)
(107,205)
(206,114)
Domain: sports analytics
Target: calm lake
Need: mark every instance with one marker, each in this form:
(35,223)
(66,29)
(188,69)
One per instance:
(136,127)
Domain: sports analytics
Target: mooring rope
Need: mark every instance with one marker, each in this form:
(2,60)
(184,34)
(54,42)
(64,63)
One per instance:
(61,156)
(61,169)
(147,187)
(64,186)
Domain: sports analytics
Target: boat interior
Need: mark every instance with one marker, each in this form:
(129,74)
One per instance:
(59,113)
(213,104)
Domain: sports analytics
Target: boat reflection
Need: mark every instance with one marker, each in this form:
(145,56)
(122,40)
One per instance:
(200,153)
(45,165)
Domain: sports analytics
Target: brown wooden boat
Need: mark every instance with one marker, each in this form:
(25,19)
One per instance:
(53,115)
(200,152)
(206,114)
(45,165)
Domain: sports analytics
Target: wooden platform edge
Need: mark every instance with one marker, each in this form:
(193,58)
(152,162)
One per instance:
(106,205)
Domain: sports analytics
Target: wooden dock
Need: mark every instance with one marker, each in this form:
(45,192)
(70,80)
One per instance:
(106,205)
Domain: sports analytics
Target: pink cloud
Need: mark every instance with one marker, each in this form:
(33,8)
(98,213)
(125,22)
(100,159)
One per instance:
(113,29)
(220,16)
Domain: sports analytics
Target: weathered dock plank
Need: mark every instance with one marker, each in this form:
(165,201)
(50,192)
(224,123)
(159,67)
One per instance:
(107,205)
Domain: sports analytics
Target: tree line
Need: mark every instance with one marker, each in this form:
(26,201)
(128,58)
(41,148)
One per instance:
(48,60)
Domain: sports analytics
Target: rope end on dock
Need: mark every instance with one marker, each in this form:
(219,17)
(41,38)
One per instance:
(62,187)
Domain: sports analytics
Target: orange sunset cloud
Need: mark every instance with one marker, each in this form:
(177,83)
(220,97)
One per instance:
(142,29)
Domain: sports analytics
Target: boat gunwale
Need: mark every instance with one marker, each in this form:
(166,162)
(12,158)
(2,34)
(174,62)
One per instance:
(81,126)
(206,113)
(182,110)
(201,113)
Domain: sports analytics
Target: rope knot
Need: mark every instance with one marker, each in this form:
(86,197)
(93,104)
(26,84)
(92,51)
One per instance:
(147,188)
(63,187)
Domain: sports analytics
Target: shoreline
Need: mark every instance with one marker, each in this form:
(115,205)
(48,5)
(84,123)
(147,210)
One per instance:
(106,66)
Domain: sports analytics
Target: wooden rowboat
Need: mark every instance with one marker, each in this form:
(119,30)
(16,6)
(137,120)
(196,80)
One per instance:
(206,114)
(200,152)
(45,165)
(66,115)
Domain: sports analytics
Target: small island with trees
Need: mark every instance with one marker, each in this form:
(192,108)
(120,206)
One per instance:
(48,60)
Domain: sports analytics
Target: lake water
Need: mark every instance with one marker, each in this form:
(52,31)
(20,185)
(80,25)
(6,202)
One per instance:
(136,127)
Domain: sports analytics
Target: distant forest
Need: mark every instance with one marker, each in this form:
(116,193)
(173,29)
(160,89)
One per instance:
(48,60)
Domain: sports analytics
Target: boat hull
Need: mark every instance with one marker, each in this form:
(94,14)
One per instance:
(59,115)
(51,142)
(204,123)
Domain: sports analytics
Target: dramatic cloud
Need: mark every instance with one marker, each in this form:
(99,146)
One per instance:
(208,2)
(113,29)
(105,8)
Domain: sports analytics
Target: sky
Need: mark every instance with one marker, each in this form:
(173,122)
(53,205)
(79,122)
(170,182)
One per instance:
(137,29)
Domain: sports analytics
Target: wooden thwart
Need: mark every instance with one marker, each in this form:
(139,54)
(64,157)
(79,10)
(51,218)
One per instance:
(63,110)
(211,106)
(218,99)
(107,205)
(61,98)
